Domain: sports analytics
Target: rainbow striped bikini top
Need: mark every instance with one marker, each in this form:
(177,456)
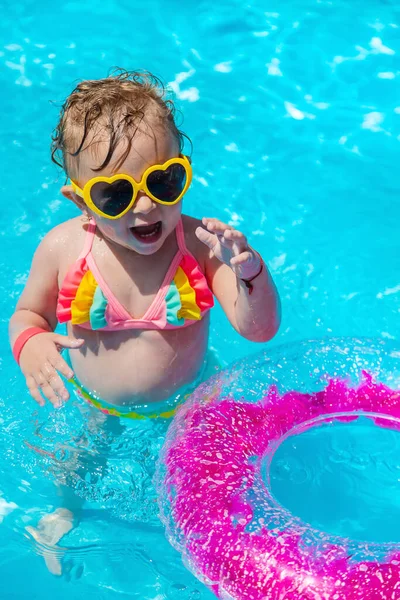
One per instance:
(86,300)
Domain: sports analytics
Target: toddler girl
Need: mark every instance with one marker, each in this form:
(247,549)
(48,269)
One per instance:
(132,277)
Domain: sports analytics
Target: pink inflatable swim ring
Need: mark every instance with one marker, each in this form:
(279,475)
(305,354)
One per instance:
(215,499)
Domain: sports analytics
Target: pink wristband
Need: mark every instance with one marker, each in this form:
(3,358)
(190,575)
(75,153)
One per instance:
(23,338)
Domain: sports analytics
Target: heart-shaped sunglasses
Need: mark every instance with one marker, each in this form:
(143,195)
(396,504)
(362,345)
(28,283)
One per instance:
(112,197)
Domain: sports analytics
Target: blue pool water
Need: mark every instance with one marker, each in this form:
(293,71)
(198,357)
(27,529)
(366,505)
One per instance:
(294,113)
(342,478)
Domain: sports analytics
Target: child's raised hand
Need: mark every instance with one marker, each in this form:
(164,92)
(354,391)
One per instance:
(41,361)
(230,246)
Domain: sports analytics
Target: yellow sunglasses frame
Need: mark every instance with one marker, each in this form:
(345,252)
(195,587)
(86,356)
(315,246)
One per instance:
(85,192)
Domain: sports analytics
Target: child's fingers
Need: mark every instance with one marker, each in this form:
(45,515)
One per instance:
(237,240)
(229,244)
(206,237)
(55,382)
(242,258)
(68,342)
(215,226)
(229,237)
(236,236)
(61,366)
(46,389)
(34,390)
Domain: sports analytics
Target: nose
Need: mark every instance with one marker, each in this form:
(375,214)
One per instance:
(143,204)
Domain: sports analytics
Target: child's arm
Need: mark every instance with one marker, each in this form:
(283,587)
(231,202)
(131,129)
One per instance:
(252,308)
(40,358)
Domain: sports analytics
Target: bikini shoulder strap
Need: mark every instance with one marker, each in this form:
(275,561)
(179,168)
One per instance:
(180,237)
(90,233)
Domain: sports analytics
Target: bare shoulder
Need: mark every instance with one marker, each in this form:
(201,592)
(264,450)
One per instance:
(64,235)
(64,242)
(57,250)
(66,231)
(193,244)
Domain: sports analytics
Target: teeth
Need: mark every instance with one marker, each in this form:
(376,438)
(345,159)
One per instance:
(155,230)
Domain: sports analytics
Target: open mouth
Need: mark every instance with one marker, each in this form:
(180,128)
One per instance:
(148,233)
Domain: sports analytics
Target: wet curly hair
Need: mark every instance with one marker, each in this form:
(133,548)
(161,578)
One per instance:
(118,105)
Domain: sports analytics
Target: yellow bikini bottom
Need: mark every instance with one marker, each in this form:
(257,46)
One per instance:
(109,409)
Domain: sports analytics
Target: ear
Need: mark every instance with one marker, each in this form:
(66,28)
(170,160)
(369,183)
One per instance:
(68,193)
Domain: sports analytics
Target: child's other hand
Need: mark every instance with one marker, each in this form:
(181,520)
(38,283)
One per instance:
(230,246)
(40,362)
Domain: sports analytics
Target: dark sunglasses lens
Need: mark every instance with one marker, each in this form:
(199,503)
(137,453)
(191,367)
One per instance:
(112,198)
(167,185)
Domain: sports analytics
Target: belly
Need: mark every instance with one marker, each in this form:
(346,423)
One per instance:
(135,367)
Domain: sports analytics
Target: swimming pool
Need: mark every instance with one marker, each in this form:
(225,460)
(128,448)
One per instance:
(294,112)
